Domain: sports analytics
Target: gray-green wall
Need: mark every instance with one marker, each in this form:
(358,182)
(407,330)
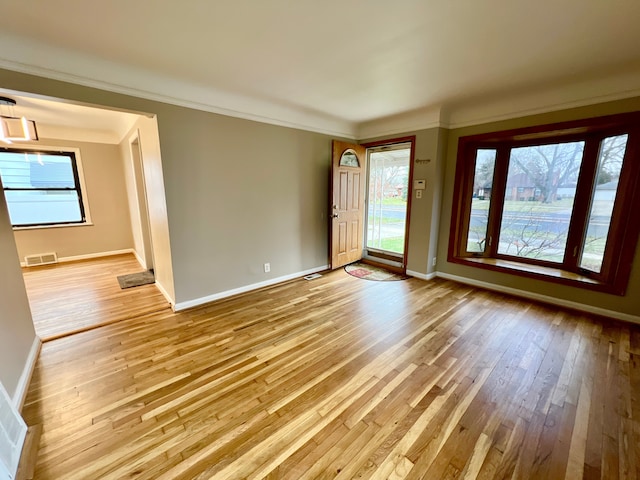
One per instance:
(241,193)
(16,328)
(238,193)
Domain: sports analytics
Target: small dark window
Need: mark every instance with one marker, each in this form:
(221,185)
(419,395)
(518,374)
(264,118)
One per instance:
(41,188)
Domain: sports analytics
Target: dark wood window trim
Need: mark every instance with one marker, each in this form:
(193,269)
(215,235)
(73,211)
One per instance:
(624,228)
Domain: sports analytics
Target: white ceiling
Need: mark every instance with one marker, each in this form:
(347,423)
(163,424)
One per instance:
(67,121)
(347,67)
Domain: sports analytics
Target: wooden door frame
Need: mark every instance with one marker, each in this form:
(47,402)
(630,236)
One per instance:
(142,199)
(411,139)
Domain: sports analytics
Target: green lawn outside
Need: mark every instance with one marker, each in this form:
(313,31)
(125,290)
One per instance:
(539,207)
(394,244)
(394,201)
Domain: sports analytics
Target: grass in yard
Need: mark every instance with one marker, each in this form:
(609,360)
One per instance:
(387,221)
(564,205)
(394,201)
(393,244)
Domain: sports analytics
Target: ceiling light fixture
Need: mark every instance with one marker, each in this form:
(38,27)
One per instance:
(15,129)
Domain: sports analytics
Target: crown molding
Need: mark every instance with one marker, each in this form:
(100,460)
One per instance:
(421,119)
(508,106)
(34,58)
(28,56)
(543,100)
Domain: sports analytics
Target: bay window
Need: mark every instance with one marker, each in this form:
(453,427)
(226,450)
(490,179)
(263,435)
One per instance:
(557,202)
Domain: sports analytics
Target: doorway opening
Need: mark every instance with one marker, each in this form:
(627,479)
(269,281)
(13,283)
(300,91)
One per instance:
(142,200)
(63,298)
(388,201)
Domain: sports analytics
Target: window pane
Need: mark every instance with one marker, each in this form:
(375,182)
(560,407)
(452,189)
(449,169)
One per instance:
(36,170)
(349,159)
(538,201)
(481,200)
(39,207)
(29,180)
(387,199)
(604,195)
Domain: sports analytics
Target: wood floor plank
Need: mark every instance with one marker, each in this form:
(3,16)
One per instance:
(81,295)
(332,378)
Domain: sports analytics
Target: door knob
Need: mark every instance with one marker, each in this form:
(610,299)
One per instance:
(335,215)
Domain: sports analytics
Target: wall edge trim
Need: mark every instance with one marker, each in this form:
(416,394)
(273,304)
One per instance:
(139,258)
(422,276)
(543,298)
(247,288)
(166,295)
(20,394)
(89,256)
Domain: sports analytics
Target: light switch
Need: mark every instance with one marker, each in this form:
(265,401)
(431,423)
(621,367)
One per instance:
(419,184)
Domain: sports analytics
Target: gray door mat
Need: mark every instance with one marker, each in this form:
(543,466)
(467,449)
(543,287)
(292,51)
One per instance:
(136,279)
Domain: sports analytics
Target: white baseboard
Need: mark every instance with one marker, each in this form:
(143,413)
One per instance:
(543,298)
(166,295)
(428,276)
(22,388)
(94,255)
(142,263)
(228,293)
(88,256)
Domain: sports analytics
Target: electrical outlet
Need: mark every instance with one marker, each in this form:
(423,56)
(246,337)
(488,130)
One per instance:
(267,267)
(418,193)
(433,262)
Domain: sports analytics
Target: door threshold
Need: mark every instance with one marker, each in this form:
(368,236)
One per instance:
(395,267)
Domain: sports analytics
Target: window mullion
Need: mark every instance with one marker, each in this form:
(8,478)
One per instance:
(582,202)
(497,197)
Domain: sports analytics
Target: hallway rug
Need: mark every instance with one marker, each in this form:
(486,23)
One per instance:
(369,272)
(136,279)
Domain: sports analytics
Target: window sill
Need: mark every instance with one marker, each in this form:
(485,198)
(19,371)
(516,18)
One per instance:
(61,225)
(550,274)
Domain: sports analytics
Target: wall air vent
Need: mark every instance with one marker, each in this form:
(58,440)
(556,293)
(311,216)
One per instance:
(40,259)
(13,431)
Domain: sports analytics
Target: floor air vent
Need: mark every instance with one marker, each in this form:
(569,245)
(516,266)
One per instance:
(40,259)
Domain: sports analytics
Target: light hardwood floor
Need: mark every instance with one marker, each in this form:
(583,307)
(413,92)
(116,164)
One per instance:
(77,296)
(343,378)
